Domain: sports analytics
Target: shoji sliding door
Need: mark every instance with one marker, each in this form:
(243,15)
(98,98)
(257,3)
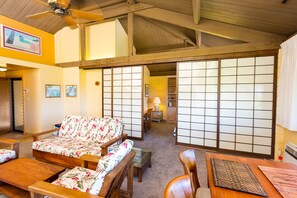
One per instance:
(197,103)
(123,97)
(246,104)
(227,104)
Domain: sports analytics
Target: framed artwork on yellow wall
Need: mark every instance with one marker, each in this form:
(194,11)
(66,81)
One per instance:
(21,41)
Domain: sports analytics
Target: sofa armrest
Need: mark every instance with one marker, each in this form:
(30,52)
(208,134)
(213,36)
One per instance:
(51,190)
(105,146)
(14,144)
(86,158)
(37,137)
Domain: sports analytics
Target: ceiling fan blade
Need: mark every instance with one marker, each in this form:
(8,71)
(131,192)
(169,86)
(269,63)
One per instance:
(85,15)
(63,3)
(39,15)
(42,2)
(70,22)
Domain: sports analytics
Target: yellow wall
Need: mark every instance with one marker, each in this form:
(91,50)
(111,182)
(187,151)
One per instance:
(158,88)
(47,42)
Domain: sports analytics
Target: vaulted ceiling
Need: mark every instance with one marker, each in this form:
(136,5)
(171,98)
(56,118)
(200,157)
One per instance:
(166,25)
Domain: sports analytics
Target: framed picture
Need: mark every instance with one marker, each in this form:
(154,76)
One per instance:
(52,91)
(146,90)
(21,41)
(71,90)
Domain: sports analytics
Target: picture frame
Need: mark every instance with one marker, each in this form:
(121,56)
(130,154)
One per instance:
(71,90)
(52,91)
(18,40)
(146,90)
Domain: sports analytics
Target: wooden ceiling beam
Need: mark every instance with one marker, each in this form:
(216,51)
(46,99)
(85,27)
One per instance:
(169,48)
(131,2)
(173,31)
(130,33)
(181,55)
(196,4)
(210,27)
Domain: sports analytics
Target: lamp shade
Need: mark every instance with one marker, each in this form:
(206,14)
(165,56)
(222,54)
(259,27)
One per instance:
(157,100)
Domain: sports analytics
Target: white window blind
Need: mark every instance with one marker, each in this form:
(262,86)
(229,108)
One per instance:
(287,94)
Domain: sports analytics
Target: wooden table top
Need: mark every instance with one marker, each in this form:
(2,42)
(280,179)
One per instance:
(23,172)
(253,163)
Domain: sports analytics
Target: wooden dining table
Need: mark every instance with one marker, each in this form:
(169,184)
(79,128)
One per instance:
(253,164)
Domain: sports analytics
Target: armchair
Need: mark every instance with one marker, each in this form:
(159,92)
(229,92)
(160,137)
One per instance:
(104,182)
(9,154)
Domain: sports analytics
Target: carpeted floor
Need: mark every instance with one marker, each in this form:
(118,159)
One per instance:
(165,163)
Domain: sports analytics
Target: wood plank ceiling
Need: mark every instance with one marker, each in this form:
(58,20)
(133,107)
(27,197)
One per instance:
(151,35)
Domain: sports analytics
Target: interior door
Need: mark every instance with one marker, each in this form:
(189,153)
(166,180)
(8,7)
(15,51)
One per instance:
(17,105)
(5,113)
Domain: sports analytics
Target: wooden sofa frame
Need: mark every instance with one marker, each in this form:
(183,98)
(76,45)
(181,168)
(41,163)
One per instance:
(111,187)
(14,145)
(69,162)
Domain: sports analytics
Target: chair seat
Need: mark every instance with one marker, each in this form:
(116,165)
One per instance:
(77,179)
(203,193)
(6,155)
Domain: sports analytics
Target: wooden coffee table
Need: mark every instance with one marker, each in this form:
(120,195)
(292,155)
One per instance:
(141,160)
(23,172)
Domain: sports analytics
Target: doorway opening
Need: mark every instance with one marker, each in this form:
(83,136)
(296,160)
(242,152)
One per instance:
(17,104)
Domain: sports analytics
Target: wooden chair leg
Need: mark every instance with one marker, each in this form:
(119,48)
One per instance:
(130,181)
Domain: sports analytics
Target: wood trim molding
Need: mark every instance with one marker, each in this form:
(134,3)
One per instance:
(175,56)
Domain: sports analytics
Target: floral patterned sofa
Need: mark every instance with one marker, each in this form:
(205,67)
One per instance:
(9,154)
(105,181)
(78,136)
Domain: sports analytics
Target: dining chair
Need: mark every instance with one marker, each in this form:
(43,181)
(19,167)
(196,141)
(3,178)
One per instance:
(147,120)
(179,187)
(188,160)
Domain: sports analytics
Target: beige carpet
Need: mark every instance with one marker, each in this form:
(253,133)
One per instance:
(165,164)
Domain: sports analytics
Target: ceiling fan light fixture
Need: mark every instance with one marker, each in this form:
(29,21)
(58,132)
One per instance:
(3,67)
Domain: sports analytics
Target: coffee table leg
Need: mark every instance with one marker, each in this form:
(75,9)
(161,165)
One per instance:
(150,164)
(139,173)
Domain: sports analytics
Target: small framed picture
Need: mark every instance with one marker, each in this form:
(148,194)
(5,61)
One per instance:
(146,90)
(71,90)
(52,91)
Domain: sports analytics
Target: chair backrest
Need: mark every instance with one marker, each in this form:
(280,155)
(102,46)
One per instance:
(149,112)
(179,187)
(108,163)
(188,160)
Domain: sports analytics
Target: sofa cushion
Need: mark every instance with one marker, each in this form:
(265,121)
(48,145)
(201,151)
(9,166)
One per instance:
(108,162)
(109,129)
(6,155)
(77,178)
(89,128)
(69,126)
(67,146)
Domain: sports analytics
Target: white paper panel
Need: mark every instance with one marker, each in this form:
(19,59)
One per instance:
(198,88)
(264,69)
(199,134)
(263,123)
(107,83)
(262,149)
(184,81)
(264,79)
(136,121)
(244,139)
(184,103)
(184,88)
(127,70)
(197,126)
(227,137)
(227,121)
(227,112)
(210,143)
(246,61)
(184,96)
(211,112)
(245,70)
(210,135)
(212,64)
(263,132)
(244,130)
(184,132)
(197,141)
(262,141)
(107,77)
(106,71)
(228,96)
(185,73)
(245,79)
(197,111)
(211,104)
(263,114)
(184,125)
(244,122)
(198,65)
(196,73)
(264,88)
(265,60)
(263,105)
(245,113)
(136,89)
(136,76)
(228,104)
(245,88)
(245,96)
(228,88)
(184,66)
(228,62)
(183,139)
(228,71)
(227,145)
(198,96)
(263,96)
(228,79)
(212,80)
(198,104)
(245,105)
(210,120)
(195,118)
(137,69)
(244,147)
(198,81)
(210,127)
(185,118)
(227,129)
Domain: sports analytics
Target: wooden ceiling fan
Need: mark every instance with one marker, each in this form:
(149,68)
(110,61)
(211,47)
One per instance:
(63,8)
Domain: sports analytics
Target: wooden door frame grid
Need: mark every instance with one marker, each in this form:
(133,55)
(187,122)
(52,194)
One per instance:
(255,54)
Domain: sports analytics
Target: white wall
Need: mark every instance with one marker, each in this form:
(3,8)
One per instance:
(121,40)
(100,40)
(71,104)
(67,45)
(91,98)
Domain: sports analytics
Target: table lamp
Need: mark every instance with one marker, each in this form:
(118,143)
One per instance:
(156,102)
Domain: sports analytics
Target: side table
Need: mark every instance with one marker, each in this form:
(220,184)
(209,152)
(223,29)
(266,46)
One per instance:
(157,116)
(141,160)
